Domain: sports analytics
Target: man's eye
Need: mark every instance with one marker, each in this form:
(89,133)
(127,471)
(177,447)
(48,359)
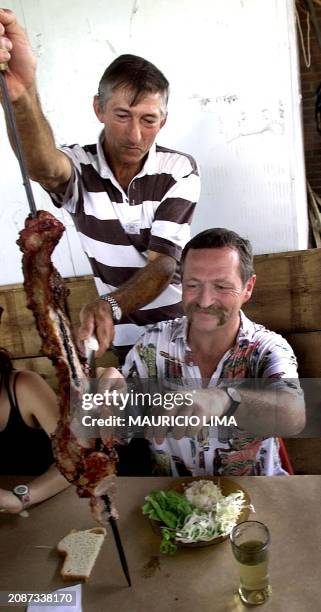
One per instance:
(223,288)
(120,116)
(149,121)
(191,285)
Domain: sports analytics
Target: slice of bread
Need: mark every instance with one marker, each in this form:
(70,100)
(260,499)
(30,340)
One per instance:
(81,549)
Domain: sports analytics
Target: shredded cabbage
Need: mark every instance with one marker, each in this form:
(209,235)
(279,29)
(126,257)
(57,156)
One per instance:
(214,515)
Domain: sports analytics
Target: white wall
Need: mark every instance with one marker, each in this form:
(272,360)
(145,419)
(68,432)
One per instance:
(234,105)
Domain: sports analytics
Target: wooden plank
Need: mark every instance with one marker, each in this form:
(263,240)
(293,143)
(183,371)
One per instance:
(307,347)
(18,331)
(305,455)
(287,296)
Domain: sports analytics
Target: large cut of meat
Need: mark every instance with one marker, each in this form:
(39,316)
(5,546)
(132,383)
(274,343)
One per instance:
(87,463)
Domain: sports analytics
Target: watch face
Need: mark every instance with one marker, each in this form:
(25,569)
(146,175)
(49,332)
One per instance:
(21,490)
(234,394)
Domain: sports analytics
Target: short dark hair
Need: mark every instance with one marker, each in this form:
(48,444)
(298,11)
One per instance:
(218,237)
(136,73)
(6,368)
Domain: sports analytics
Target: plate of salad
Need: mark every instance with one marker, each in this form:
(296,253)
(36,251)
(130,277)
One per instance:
(196,512)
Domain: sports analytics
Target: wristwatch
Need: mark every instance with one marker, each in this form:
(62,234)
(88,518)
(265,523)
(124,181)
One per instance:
(115,308)
(22,492)
(236,398)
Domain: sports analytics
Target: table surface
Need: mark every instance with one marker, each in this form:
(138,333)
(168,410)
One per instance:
(198,579)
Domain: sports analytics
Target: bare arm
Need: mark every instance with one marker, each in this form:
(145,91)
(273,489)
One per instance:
(45,163)
(144,286)
(273,412)
(38,402)
(48,484)
(263,413)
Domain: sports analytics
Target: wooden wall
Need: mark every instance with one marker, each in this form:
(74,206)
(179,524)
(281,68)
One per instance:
(287,299)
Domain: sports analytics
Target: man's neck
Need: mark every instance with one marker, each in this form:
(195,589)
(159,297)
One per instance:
(124,173)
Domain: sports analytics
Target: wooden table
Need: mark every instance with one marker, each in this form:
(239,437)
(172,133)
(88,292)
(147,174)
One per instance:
(194,580)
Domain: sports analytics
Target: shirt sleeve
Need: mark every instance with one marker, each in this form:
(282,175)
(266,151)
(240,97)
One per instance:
(277,364)
(170,229)
(71,198)
(276,358)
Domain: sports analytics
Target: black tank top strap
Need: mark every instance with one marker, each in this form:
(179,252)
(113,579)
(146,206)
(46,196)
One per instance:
(11,390)
(14,385)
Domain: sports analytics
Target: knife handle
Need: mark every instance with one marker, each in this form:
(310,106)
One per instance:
(91,344)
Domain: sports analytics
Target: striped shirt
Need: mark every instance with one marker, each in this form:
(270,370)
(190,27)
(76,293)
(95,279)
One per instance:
(116,229)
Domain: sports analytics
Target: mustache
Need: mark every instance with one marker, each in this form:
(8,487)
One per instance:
(212,310)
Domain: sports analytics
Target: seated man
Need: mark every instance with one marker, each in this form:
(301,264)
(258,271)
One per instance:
(212,344)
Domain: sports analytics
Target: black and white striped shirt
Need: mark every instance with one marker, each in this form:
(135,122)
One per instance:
(116,229)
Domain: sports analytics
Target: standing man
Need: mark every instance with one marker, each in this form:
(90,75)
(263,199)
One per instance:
(222,356)
(131,200)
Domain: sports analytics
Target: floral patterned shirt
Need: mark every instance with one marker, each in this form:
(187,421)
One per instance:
(162,352)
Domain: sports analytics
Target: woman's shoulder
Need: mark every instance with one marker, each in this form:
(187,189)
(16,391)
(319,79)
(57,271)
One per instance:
(35,396)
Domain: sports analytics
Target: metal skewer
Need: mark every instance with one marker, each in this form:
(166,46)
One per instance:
(8,109)
(91,346)
(120,550)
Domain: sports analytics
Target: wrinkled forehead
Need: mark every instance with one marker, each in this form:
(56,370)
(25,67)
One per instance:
(132,98)
(212,262)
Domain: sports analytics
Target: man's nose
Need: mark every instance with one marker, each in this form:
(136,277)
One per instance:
(206,296)
(134,133)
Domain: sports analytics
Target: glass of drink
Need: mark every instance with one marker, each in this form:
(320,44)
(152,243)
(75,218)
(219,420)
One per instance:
(250,545)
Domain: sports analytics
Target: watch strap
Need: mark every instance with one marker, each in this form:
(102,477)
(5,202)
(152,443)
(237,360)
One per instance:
(234,402)
(115,308)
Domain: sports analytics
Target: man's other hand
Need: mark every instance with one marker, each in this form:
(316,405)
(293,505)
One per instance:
(191,410)
(110,380)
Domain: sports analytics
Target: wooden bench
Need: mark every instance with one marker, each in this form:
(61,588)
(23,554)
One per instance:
(287,299)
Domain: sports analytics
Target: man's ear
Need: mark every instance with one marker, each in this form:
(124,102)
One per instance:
(248,289)
(163,121)
(98,112)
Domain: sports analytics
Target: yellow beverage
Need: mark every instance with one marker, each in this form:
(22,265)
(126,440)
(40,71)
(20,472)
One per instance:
(252,561)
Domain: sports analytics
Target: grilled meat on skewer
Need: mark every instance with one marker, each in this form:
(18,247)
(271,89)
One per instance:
(80,461)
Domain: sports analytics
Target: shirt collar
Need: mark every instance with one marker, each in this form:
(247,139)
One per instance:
(105,171)
(180,330)
(244,335)
(246,331)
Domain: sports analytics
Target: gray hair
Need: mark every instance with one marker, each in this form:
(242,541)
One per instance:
(137,74)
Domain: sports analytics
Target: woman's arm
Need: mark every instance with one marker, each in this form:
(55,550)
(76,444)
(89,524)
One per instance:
(38,406)
(48,484)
